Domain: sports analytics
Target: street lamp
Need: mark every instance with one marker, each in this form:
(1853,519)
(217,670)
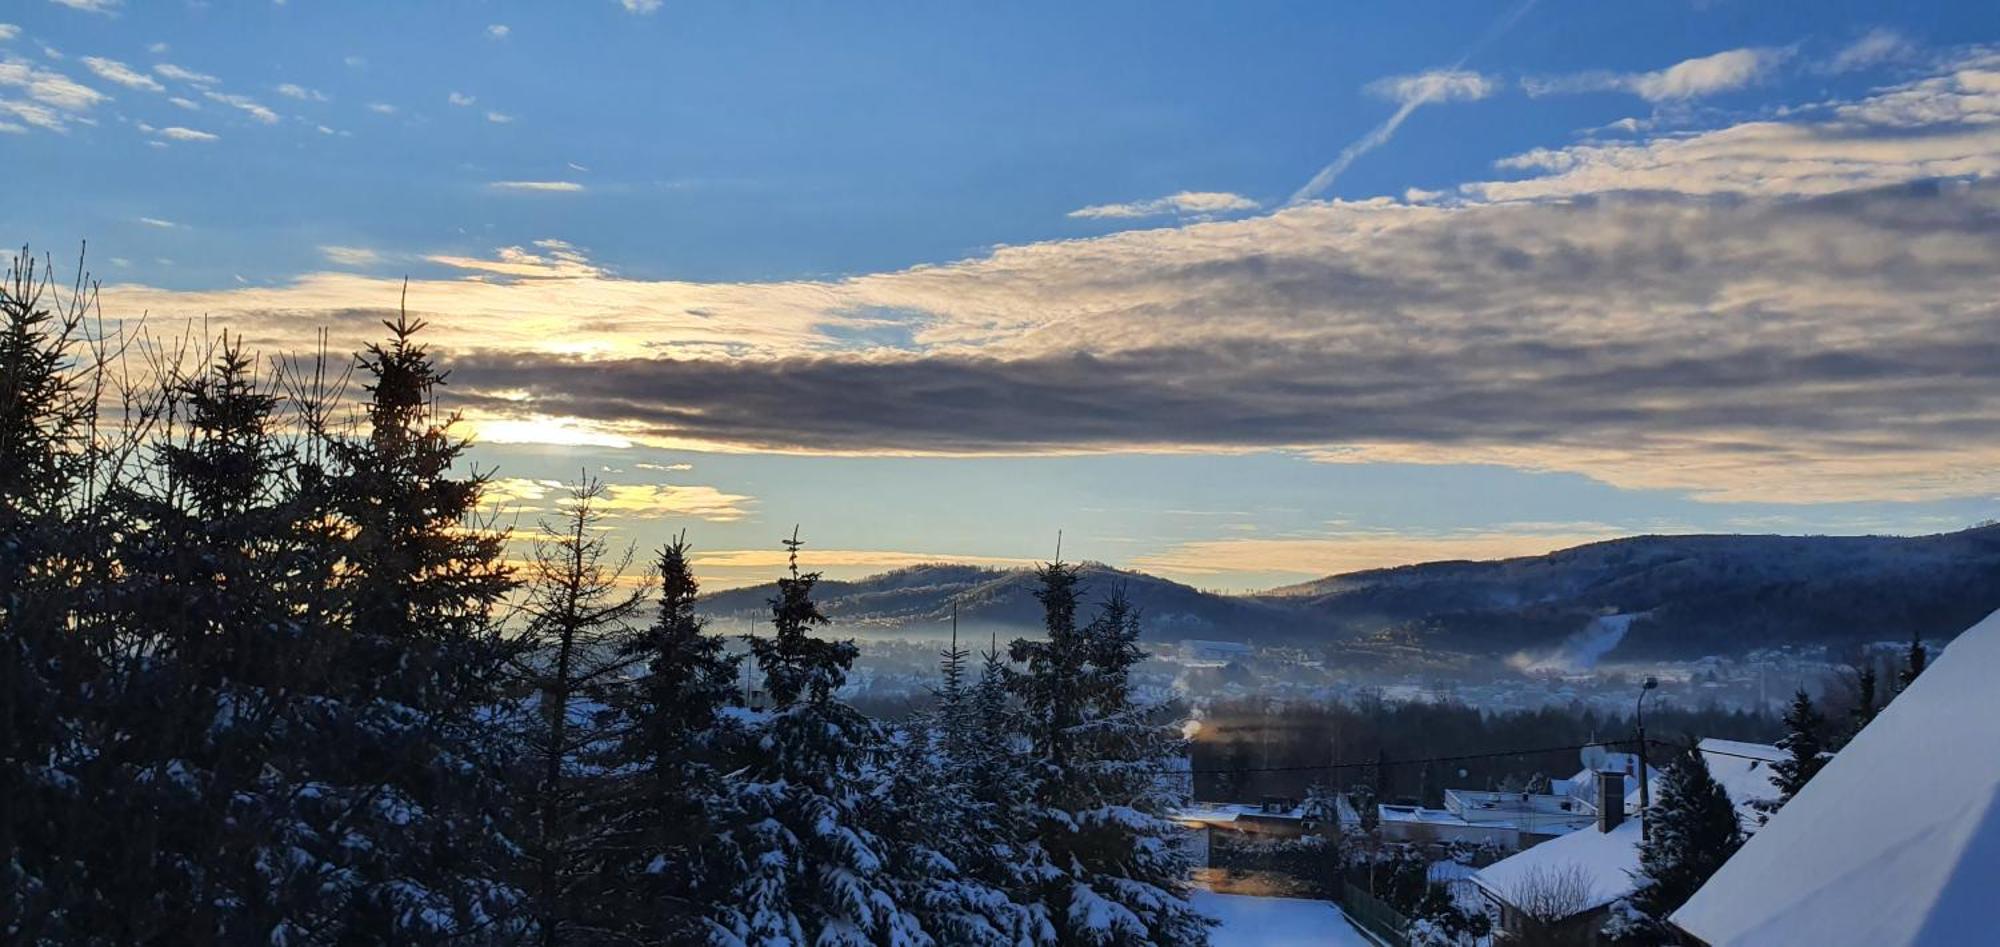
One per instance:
(1645,784)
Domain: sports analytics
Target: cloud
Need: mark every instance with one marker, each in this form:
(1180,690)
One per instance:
(350,256)
(180,74)
(641,7)
(499,118)
(381,108)
(1938,127)
(189,104)
(627,500)
(1784,311)
(544,186)
(1725,71)
(245,103)
(460,99)
(52,89)
(498,31)
(115,71)
(1876,47)
(8,32)
(293,90)
(1186,203)
(1440,85)
(100,7)
(178,133)
(157,222)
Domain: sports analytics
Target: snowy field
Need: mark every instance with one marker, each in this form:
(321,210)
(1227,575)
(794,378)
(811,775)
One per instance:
(1277,922)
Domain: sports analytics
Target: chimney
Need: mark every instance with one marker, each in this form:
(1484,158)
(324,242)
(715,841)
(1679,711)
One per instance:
(1610,800)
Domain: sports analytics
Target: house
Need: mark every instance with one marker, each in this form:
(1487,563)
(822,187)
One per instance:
(1896,842)
(1513,821)
(1560,891)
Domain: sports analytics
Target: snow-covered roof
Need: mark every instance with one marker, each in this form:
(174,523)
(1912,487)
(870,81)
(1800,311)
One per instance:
(1896,841)
(1744,770)
(1604,861)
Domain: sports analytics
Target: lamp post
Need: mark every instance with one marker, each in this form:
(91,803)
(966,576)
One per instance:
(1645,783)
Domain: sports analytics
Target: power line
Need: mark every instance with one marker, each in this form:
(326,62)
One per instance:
(1323,767)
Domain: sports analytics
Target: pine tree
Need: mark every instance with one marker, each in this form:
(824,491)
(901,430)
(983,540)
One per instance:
(204,772)
(46,661)
(1114,875)
(1913,662)
(1692,830)
(1865,707)
(1805,751)
(568,658)
(815,869)
(413,763)
(668,796)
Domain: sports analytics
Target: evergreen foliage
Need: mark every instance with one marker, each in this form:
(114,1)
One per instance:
(267,679)
(666,770)
(1112,874)
(1804,746)
(1691,831)
(567,658)
(1913,662)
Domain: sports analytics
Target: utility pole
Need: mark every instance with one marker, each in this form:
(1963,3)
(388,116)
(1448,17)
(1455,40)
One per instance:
(1645,769)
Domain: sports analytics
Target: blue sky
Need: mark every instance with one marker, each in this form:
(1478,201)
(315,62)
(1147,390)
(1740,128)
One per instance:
(938,280)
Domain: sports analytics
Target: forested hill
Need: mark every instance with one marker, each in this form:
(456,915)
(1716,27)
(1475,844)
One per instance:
(1692,595)
(920,599)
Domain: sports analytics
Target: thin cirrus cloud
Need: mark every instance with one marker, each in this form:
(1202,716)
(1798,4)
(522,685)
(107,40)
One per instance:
(1876,47)
(184,74)
(1786,310)
(555,187)
(1200,204)
(114,71)
(244,103)
(621,500)
(1721,72)
(293,90)
(1440,85)
(100,7)
(180,133)
(350,256)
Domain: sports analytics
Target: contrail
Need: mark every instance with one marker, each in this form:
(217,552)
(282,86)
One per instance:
(1383,132)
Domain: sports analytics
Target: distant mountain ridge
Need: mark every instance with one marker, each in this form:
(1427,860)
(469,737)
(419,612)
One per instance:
(1689,595)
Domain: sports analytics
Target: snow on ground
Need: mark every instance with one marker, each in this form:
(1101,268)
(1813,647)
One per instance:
(1278,922)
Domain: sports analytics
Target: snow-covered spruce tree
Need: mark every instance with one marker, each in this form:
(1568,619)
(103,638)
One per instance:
(1805,751)
(46,415)
(567,658)
(202,778)
(668,871)
(1113,875)
(414,847)
(946,833)
(1691,831)
(813,868)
